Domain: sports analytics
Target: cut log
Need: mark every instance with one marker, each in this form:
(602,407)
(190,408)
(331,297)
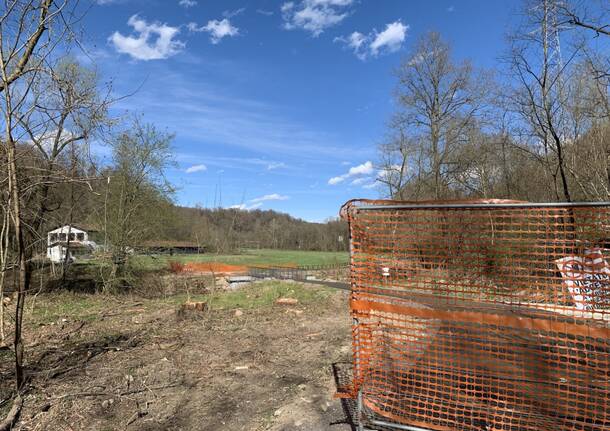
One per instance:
(12,415)
(195,306)
(287,301)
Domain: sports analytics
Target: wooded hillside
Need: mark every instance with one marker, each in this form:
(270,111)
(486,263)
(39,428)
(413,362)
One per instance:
(229,229)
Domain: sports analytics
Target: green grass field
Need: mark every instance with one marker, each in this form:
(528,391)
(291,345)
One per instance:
(249,257)
(55,306)
(257,295)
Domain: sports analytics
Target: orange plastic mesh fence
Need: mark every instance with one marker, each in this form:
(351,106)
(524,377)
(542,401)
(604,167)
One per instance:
(474,316)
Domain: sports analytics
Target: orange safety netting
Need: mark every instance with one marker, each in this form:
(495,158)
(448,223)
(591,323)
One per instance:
(488,315)
(217,268)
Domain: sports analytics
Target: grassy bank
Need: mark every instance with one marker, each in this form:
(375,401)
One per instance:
(54,307)
(249,257)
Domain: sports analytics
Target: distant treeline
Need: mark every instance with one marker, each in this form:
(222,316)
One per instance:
(224,230)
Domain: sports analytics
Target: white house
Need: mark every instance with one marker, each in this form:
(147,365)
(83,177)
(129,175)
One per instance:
(68,239)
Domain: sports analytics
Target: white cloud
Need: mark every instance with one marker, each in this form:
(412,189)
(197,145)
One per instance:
(187,3)
(246,207)
(231,13)
(275,165)
(264,12)
(356,40)
(451,9)
(196,168)
(356,171)
(359,181)
(314,15)
(363,169)
(228,120)
(389,40)
(271,197)
(217,29)
(154,41)
(258,202)
(336,180)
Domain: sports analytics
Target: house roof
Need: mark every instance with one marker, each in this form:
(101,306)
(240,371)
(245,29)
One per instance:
(75,227)
(67,228)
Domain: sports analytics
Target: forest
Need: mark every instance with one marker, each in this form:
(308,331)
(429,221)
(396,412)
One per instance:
(232,229)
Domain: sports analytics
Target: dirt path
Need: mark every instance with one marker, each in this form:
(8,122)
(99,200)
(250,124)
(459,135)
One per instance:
(143,367)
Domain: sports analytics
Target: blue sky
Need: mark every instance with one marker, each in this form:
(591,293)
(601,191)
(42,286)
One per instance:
(276,104)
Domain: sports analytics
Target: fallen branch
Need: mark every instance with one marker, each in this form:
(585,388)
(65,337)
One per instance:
(78,328)
(120,394)
(151,388)
(135,416)
(52,374)
(12,415)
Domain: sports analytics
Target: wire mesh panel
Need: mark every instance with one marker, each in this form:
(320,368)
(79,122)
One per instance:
(481,315)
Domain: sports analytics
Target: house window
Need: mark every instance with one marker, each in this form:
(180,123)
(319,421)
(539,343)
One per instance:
(63,237)
(72,236)
(53,237)
(80,236)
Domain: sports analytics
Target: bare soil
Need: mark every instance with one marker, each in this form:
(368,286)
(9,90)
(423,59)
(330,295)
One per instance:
(140,365)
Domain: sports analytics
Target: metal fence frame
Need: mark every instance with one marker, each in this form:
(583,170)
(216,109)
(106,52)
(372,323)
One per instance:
(301,273)
(353,208)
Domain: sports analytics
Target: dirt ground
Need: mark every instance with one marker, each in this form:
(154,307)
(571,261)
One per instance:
(140,365)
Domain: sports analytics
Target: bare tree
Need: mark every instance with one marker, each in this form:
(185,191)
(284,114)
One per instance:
(68,109)
(540,96)
(22,55)
(438,100)
(137,194)
(49,105)
(4,249)
(588,151)
(400,165)
(577,15)
(454,135)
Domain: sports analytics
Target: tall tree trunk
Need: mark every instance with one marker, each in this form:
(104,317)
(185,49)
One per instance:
(4,239)
(24,272)
(436,168)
